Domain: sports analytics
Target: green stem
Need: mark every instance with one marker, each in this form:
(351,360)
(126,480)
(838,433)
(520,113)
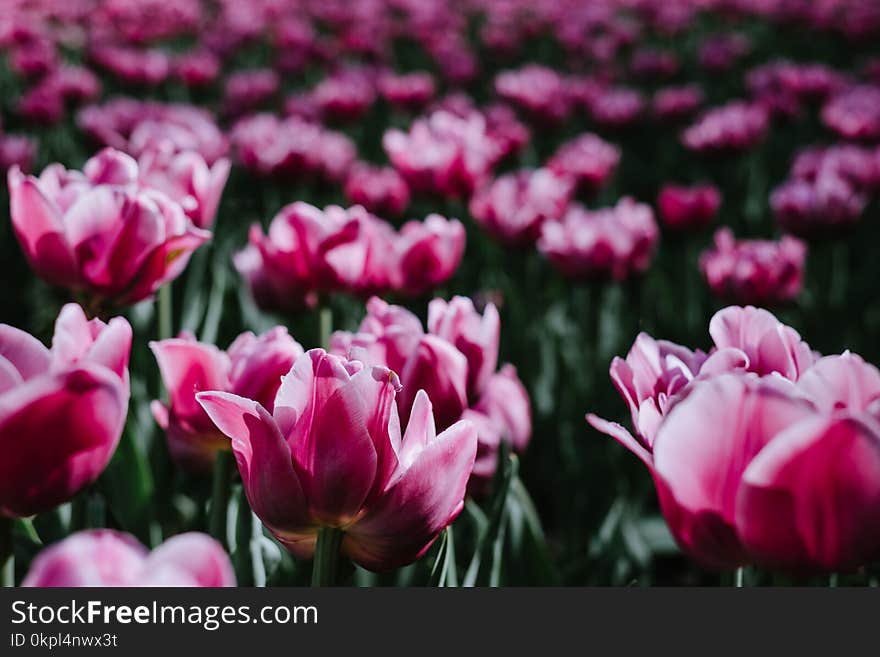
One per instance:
(739,577)
(166,328)
(326,556)
(220,495)
(325,326)
(7,554)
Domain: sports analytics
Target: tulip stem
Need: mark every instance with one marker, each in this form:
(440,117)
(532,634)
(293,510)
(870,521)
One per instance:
(325,326)
(739,577)
(7,553)
(220,495)
(326,556)
(165,320)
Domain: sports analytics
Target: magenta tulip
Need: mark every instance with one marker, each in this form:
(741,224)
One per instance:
(289,266)
(380,190)
(455,363)
(513,207)
(474,335)
(427,254)
(100,232)
(657,374)
(854,113)
(186,178)
(444,154)
(136,126)
(615,242)
(64,409)
(336,421)
(587,159)
(688,208)
(761,272)
(107,558)
(736,126)
(779,485)
(251,367)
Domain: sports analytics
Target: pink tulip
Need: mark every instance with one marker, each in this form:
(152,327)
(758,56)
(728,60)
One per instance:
(735,126)
(292,148)
(290,265)
(390,336)
(617,107)
(443,153)
(136,126)
(506,402)
(854,113)
(674,103)
(64,409)
(767,345)
(612,242)
(588,159)
(336,420)
(455,364)
(657,374)
(100,231)
(698,481)
(688,208)
(381,190)
(107,558)
(149,66)
(17,151)
(345,96)
(198,68)
(754,271)
(309,252)
(251,367)
(410,91)
(827,206)
(474,335)
(539,91)
(779,485)
(186,178)
(427,253)
(514,206)
(246,91)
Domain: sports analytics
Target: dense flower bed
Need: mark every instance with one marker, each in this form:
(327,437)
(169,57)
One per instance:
(329,286)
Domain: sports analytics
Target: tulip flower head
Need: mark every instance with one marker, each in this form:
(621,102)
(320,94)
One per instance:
(791,476)
(64,409)
(251,367)
(754,271)
(614,242)
(455,362)
(101,232)
(107,558)
(331,454)
(683,208)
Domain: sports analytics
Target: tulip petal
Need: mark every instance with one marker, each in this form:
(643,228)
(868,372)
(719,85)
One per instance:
(194,555)
(23,351)
(98,557)
(40,230)
(57,433)
(811,498)
(624,437)
(112,346)
(702,449)
(264,461)
(418,505)
(189,367)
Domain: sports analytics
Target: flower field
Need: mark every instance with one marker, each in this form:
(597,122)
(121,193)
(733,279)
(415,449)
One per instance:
(419,293)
